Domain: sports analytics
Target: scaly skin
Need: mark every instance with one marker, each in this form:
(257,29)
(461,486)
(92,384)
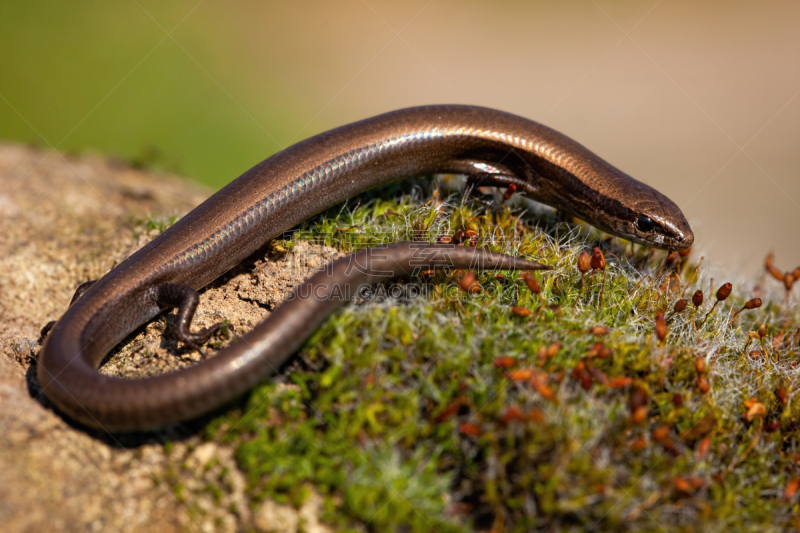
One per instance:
(492,147)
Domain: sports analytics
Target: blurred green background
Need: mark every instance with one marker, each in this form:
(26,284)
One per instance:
(106,76)
(696,99)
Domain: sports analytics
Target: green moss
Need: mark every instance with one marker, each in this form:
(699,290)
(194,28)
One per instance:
(406,426)
(150,223)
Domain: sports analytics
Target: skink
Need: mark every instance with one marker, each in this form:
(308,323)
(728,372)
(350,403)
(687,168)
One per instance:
(491,147)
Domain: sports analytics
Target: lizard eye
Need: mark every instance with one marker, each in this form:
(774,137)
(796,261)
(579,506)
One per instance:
(645,224)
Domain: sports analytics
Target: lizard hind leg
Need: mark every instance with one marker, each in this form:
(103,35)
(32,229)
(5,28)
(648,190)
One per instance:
(185,299)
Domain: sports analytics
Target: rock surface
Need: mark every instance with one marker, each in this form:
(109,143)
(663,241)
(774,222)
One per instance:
(69,219)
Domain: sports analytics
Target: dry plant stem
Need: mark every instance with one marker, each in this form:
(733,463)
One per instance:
(755,303)
(735,315)
(708,314)
(580,293)
(766,353)
(598,262)
(602,290)
(499,522)
(749,448)
(747,345)
(583,264)
(389,212)
(358,231)
(677,277)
